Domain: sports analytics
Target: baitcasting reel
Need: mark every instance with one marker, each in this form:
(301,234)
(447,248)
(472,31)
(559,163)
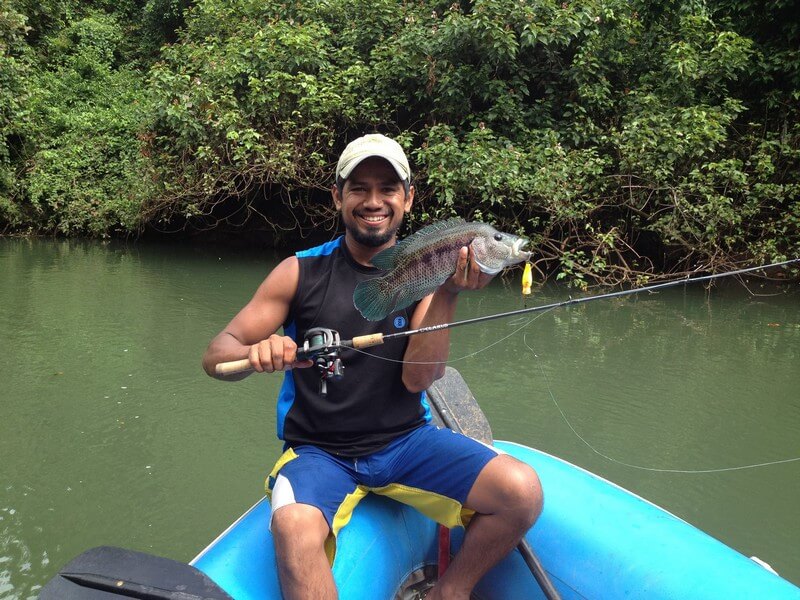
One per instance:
(322,345)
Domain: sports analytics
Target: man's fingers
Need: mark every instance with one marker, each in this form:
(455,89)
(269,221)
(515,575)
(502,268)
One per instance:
(290,360)
(255,358)
(265,356)
(474,277)
(276,353)
(463,262)
(474,271)
(477,278)
(277,350)
(464,276)
(462,266)
(289,354)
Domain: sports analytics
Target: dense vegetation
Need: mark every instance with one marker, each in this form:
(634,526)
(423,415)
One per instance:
(626,138)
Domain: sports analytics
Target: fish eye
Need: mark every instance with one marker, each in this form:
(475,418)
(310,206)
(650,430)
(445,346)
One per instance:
(498,237)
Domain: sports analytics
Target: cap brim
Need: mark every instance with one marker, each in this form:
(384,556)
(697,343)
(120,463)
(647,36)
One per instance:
(345,171)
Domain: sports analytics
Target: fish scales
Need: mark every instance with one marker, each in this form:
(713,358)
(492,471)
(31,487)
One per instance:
(422,262)
(426,263)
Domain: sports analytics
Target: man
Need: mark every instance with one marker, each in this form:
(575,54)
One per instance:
(341,444)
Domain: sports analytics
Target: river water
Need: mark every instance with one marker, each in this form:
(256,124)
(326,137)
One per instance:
(110,433)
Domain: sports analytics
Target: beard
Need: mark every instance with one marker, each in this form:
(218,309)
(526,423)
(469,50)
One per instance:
(372,239)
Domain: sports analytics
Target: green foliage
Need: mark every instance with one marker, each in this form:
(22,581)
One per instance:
(160,21)
(84,170)
(72,100)
(621,136)
(589,125)
(255,94)
(14,68)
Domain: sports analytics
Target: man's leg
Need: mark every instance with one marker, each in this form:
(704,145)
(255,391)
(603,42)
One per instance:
(460,472)
(507,498)
(308,489)
(300,531)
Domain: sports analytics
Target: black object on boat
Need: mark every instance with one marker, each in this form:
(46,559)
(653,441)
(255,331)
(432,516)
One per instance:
(107,573)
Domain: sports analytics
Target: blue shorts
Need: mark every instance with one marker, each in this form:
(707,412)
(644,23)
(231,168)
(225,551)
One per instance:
(429,468)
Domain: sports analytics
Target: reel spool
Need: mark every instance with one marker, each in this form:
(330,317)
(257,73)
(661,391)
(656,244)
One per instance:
(321,345)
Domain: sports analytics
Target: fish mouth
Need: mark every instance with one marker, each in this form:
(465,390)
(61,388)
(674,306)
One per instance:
(518,249)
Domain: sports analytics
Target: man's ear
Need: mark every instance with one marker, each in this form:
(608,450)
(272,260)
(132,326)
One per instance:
(337,199)
(409,199)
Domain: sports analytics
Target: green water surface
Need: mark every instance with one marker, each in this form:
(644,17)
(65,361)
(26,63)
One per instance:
(110,433)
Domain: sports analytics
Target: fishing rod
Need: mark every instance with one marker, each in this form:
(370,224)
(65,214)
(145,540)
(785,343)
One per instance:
(323,345)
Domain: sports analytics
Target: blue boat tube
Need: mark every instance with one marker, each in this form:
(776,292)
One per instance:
(595,540)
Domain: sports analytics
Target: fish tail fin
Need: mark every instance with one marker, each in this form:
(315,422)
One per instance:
(373,299)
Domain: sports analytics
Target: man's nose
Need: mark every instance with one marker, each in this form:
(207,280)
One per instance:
(373,198)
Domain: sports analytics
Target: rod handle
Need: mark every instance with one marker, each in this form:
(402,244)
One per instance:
(234,366)
(365,341)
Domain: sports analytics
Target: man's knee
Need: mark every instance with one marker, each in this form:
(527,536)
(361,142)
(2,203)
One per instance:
(299,532)
(509,486)
(525,491)
(301,526)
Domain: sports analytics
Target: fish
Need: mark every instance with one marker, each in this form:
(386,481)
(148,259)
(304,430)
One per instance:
(423,261)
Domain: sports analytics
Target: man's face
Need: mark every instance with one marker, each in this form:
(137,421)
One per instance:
(373,201)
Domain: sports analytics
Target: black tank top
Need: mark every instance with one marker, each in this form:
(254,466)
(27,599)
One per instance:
(369,406)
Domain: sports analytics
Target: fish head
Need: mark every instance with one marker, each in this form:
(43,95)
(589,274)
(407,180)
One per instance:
(494,250)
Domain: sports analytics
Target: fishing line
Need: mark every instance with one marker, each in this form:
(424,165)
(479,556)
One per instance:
(382,338)
(630,465)
(563,414)
(549,307)
(460,358)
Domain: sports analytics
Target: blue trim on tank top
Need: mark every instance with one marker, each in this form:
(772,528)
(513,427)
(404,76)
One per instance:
(321,250)
(423,400)
(286,395)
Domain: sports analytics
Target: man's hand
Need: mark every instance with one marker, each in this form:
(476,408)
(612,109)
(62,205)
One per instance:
(468,275)
(276,353)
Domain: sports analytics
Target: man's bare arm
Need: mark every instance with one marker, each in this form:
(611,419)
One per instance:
(252,333)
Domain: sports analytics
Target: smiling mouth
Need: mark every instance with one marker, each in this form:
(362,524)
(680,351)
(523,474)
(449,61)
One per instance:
(374,218)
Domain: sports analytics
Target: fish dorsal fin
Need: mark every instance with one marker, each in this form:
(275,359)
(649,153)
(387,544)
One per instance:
(435,228)
(388,259)
(431,231)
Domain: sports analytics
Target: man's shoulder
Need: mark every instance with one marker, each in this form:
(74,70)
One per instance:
(325,249)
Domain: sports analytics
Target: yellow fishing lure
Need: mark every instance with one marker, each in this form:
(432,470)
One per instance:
(527,279)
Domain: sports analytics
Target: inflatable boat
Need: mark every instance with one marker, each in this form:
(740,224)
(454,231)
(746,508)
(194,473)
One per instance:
(593,540)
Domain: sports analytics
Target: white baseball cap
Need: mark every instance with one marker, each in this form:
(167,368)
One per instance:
(373,144)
